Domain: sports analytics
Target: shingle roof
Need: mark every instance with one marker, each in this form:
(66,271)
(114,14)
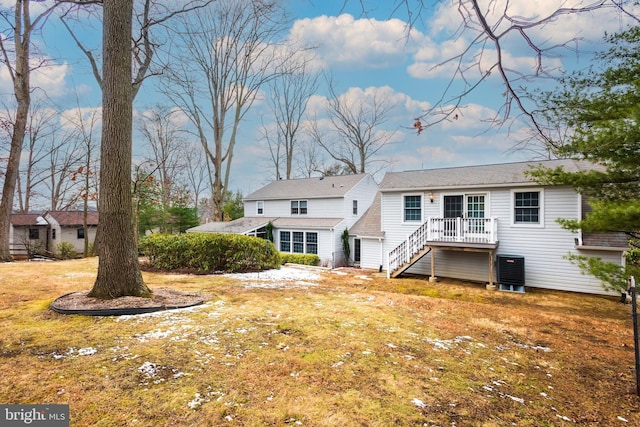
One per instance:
(246,224)
(370,223)
(74,218)
(28,219)
(238,226)
(474,176)
(308,188)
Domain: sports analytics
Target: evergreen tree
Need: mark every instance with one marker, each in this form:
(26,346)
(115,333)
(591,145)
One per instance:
(601,108)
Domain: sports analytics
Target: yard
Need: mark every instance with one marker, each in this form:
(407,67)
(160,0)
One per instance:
(313,347)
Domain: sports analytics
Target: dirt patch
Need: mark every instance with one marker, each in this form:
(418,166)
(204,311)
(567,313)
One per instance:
(162,299)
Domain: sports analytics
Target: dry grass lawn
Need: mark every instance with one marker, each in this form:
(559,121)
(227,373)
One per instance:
(327,348)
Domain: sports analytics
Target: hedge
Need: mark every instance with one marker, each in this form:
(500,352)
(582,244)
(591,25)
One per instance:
(304,259)
(210,252)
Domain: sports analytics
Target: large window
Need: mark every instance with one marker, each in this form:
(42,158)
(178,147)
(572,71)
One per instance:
(34,234)
(413,208)
(298,207)
(299,242)
(526,207)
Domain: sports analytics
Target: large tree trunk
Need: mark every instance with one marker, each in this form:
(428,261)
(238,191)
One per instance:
(118,269)
(21,86)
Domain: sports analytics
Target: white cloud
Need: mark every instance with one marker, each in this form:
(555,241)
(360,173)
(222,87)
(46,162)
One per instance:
(349,43)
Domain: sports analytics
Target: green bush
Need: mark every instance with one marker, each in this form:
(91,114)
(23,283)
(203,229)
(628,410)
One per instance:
(304,259)
(66,250)
(209,252)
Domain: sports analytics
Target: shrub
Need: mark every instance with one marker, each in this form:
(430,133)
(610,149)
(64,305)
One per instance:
(66,250)
(304,259)
(209,252)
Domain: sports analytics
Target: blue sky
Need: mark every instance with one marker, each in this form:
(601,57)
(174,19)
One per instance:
(370,52)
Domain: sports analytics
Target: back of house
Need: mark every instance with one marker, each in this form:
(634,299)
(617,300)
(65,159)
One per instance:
(483,223)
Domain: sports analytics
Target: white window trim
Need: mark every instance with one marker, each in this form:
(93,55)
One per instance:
(258,207)
(402,208)
(299,201)
(304,241)
(512,205)
(465,206)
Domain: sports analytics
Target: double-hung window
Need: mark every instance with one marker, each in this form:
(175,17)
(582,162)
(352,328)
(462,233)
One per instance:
(260,208)
(298,207)
(527,207)
(412,208)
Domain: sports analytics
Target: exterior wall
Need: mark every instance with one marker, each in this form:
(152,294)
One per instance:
(543,247)
(20,242)
(316,208)
(364,193)
(325,242)
(372,254)
(70,235)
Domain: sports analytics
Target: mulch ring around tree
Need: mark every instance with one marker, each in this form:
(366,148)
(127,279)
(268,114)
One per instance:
(162,299)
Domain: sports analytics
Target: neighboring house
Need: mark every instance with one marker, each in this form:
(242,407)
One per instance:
(28,234)
(68,226)
(308,215)
(477,223)
(42,233)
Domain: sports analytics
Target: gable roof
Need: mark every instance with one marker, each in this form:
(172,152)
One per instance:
(502,174)
(307,188)
(28,219)
(370,223)
(74,218)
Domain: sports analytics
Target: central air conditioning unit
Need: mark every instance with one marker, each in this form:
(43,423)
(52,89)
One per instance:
(510,273)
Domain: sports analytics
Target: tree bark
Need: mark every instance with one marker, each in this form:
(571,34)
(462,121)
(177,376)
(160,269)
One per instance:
(118,269)
(21,86)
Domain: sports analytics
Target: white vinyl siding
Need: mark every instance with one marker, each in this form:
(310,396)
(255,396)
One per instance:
(543,246)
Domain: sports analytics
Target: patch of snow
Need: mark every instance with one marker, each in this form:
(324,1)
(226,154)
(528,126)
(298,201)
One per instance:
(148,369)
(419,403)
(285,276)
(87,351)
(623,420)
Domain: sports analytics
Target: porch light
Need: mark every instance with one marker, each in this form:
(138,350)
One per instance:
(432,197)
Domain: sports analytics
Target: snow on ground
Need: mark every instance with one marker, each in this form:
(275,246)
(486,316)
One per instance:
(284,277)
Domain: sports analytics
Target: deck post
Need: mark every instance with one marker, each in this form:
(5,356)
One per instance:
(491,285)
(433,277)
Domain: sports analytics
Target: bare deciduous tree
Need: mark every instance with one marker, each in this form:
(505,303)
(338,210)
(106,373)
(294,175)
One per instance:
(488,30)
(353,134)
(167,148)
(118,270)
(223,56)
(288,96)
(15,55)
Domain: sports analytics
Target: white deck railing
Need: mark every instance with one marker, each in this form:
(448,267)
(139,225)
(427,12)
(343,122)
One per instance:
(454,230)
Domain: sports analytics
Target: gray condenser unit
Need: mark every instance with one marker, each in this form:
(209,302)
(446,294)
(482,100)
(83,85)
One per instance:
(510,272)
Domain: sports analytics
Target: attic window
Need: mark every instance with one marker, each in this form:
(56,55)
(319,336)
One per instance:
(355,207)
(260,208)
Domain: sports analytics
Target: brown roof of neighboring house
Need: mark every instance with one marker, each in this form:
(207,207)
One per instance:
(73,218)
(28,219)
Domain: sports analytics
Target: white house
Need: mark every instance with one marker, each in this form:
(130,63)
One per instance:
(490,223)
(308,215)
(34,233)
